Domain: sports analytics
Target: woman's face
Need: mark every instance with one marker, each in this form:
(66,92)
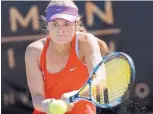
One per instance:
(61,31)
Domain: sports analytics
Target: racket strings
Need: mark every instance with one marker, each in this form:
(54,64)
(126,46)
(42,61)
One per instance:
(97,95)
(116,70)
(117,74)
(116,94)
(97,92)
(100,96)
(83,91)
(94,89)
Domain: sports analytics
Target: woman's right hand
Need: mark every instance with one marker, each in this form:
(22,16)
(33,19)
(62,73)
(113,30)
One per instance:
(66,96)
(69,106)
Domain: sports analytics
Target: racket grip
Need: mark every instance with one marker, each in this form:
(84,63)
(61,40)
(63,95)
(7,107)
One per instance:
(72,99)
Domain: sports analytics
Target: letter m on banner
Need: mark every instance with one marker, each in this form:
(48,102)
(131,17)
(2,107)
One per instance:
(16,16)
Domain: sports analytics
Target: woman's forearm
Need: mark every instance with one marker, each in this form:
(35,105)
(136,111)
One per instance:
(40,103)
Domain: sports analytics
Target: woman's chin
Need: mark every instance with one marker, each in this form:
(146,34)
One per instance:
(62,41)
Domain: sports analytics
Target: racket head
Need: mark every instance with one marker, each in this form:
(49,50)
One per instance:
(120,73)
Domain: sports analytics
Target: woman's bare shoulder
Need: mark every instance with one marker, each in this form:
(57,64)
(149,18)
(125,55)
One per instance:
(85,37)
(88,38)
(35,48)
(84,41)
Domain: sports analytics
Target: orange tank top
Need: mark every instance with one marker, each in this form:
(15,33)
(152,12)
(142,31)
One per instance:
(72,77)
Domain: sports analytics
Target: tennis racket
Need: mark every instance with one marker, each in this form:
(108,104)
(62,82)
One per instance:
(120,73)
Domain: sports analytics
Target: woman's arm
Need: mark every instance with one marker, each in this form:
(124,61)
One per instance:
(91,47)
(103,47)
(92,54)
(35,78)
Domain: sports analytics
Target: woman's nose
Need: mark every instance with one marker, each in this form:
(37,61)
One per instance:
(61,30)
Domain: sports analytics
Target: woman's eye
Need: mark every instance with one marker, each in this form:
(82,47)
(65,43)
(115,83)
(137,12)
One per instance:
(55,24)
(67,24)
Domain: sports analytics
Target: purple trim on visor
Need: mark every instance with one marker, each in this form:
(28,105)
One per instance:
(53,10)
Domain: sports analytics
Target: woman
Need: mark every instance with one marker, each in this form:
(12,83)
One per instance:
(60,63)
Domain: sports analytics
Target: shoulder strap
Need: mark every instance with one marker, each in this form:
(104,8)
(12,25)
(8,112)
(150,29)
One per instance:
(43,54)
(77,44)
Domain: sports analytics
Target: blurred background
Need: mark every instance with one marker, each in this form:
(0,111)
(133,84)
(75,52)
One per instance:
(125,26)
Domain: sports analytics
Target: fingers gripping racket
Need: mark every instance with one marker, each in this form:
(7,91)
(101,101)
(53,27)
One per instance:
(120,73)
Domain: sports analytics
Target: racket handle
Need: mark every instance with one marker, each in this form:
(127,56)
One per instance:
(72,98)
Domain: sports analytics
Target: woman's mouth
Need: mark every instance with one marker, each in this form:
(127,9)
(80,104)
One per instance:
(61,35)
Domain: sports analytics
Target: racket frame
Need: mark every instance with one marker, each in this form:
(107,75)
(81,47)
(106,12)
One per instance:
(89,81)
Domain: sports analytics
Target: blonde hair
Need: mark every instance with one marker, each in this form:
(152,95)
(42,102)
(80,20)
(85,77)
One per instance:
(79,25)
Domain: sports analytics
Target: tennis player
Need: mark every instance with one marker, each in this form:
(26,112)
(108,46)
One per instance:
(61,62)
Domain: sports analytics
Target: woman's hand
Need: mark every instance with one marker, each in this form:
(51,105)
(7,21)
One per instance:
(66,96)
